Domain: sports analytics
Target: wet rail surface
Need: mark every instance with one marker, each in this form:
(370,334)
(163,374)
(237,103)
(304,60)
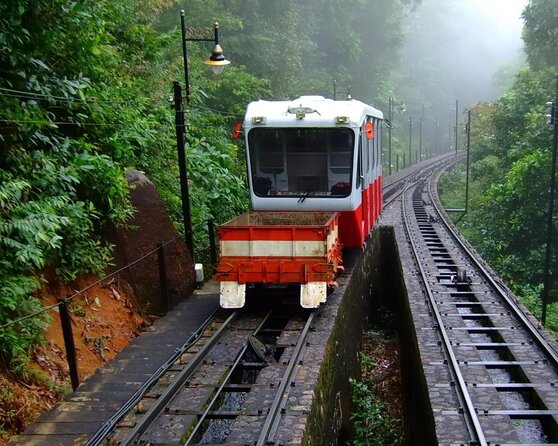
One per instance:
(237,372)
(497,382)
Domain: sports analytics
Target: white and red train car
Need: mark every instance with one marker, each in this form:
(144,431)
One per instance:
(310,156)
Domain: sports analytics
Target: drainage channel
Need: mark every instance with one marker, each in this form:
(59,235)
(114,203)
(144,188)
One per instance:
(503,381)
(200,397)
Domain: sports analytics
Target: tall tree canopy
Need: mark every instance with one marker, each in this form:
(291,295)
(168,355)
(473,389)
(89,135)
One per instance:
(541,33)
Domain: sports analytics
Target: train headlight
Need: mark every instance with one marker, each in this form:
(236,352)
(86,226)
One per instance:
(258,120)
(341,119)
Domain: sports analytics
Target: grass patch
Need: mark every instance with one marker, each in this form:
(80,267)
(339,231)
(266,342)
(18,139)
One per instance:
(377,417)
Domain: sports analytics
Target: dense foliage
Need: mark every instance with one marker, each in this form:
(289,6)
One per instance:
(510,177)
(372,423)
(541,33)
(83,97)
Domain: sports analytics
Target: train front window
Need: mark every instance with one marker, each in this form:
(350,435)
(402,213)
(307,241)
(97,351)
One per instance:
(310,162)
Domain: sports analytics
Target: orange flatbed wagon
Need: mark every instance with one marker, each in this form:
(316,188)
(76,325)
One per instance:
(279,248)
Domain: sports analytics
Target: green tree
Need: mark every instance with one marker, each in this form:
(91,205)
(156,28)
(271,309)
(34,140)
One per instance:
(540,33)
(510,182)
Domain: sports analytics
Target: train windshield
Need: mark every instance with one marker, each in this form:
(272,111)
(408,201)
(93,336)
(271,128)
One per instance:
(308,162)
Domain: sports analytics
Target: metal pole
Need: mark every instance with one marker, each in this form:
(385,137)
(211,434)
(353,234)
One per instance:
(550,226)
(71,356)
(420,134)
(436,149)
(389,131)
(456,122)
(163,276)
(468,160)
(410,138)
(334,90)
(212,244)
(449,134)
(185,55)
(182,166)
(397,163)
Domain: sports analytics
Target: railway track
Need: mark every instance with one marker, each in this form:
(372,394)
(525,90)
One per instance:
(502,371)
(396,184)
(238,370)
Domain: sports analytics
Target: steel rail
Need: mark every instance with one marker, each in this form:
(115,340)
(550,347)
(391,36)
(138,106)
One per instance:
(518,312)
(106,429)
(237,360)
(273,416)
(471,419)
(178,382)
(413,177)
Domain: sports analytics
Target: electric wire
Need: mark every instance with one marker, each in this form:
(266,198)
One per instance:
(8,92)
(50,307)
(42,96)
(73,296)
(77,123)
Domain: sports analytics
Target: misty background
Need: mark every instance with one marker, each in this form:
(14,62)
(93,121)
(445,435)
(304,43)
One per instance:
(455,50)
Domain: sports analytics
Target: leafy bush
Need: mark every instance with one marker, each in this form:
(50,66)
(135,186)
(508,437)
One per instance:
(57,187)
(371,424)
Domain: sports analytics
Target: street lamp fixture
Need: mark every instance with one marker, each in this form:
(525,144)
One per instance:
(217,62)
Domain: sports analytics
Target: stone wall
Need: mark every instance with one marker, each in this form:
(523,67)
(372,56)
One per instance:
(374,282)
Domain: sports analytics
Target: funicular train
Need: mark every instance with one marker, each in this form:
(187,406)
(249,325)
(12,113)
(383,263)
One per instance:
(315,179)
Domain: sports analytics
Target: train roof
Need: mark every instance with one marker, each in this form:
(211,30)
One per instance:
(308,111)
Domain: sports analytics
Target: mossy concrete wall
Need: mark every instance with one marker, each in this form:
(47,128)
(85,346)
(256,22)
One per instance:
(419,420)
(346,315)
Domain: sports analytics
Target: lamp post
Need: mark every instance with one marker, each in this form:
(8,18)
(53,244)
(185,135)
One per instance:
(410,138)
(217,62)
(389,131)
(550,216)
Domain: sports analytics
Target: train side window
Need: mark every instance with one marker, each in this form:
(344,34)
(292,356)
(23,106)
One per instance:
(379,138)
(340,152)
(376,145)
(371,145)
(365,154)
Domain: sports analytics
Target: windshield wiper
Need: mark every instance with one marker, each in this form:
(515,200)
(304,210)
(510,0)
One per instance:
(301,199)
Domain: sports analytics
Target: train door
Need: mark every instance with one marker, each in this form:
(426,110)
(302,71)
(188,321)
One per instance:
(363,160)
(369,131)
(378,174)
(367,137)
(375,183)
